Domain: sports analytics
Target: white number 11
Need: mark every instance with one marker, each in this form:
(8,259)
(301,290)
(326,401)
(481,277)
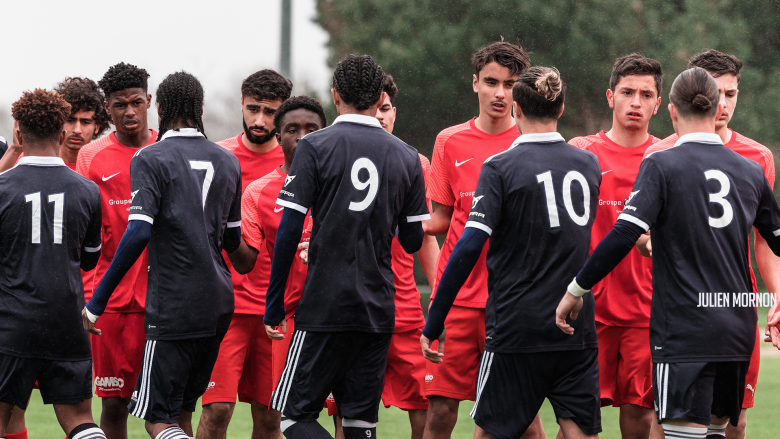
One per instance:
(59,207)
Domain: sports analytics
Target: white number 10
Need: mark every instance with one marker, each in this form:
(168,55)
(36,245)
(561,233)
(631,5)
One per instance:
(552,209)
(59,206)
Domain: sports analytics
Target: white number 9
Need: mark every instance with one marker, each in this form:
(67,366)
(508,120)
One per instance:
(372,183)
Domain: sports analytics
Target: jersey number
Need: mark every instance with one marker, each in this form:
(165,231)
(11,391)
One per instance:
(59,207)
(719,198)
(552,208)
(372,183)
(209,168)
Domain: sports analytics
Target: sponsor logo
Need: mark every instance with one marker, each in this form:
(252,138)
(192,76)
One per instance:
(110,176)
(428,379)
(278,210)
(289,194)
(135,396)
(752,390)
(606,172)
(289,179)
(736,300)
(610,203)
(631,196)
(475,201)
(368,433)
(119,202)
(477,214)
(629,208)
(136,208)
(211,385)
(330,397)
(659,348)
(132,195)
(457,164)
(109,383)
(466,194)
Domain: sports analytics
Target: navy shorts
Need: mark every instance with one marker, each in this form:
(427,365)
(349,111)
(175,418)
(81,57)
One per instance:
(60,382)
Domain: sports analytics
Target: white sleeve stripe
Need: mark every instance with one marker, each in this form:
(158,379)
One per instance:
(292,205)
(141,217)
(634,220)
(776,232)
(93,249)
(232,224)
(479,226)
(416,218)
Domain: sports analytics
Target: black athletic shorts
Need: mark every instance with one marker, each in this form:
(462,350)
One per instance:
(174,375)
(694,391)
(61,382)
(512,387)
(351,364)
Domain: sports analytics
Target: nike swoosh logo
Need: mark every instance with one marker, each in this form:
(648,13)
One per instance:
(278,210)
(110,176)
(606,172)
(464,161)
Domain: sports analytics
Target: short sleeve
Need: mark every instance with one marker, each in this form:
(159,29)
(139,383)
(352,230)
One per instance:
(646,199)
(300,186)
(92,240)
(767,220)
(415,206)
(488,198)
(426,167)
(145,192)
(439,189)
(234,216)
(251,227)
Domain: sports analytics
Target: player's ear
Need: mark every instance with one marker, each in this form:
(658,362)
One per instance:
(61,140)
(336,97)
(475,82)
(721,106)
(159,111)
(672,112)
(563,107)
(278,137)
(657,106)
(148,101)
(610,98)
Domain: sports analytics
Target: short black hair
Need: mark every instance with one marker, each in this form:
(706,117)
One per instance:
(716,63)
(540,92)
(41,114)
(296,103)
(123,76)
(359,81)
(636,64)
(390,88)
(508,55)
(180,97)
(267,84)
(84,95)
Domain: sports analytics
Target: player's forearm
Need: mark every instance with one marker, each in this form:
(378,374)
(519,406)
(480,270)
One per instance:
(608,254)
(768,264)
(10,157)
(131,246)
(243,257)
(286,246)
(429,254)
(440,220)
(462,260)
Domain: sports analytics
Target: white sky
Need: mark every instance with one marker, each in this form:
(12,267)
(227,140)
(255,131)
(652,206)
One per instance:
(221,42)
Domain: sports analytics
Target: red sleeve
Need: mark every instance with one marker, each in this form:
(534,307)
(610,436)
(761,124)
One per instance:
(580,142)
(440,190)
(251,227)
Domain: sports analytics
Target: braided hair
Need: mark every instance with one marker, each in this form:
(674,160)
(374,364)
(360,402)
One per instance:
(180,98)
(359,81)
(123,76)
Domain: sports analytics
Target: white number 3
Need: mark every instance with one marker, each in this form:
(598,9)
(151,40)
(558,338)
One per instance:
(725,186)
(372,183)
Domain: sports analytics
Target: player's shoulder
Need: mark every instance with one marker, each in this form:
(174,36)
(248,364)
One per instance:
(584,142)
(259,185)
(660,145)
(747,142)
(88,152)
(230,144)
(452,132)
(426,164)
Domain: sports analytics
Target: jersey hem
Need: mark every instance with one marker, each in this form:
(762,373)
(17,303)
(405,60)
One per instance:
(621,324)
(675,359)
(410,327)
(13,353)
(173,337)
(537,349)
(390,330)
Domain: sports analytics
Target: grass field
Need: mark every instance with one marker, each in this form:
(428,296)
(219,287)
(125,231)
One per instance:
(763,419)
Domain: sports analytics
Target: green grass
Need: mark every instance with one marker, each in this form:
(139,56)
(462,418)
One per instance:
(763,420)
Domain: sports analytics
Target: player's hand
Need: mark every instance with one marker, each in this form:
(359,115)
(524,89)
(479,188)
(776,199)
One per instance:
(434,356)
(88,325)
(772,332)
(644,246)
(277,332)
(303,249)
(569,305)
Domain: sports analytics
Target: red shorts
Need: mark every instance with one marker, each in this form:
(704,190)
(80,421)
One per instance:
(244,364)
(456,377)
(752,376)
(118,354)
(625,366)
(405,373)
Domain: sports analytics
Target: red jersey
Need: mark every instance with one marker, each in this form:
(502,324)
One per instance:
(71,165)
(107,162)
(250,288)
(260,217)
(457,160)
(623,297)
(408,313)
(748,148)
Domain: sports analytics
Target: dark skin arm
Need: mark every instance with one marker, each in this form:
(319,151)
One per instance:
(244,258)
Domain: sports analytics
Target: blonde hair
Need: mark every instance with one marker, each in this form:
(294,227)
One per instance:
(548,82)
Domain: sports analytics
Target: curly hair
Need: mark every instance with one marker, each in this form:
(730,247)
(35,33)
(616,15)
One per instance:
(716,63)
(180,97)
(359,81)
(511,56)
(540,92)
(297,103)
(636,64)
(123,76)
(41,114)
(390,88)
(84,95)
(267,84)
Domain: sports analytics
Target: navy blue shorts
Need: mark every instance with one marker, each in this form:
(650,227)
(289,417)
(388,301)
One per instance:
(60,382)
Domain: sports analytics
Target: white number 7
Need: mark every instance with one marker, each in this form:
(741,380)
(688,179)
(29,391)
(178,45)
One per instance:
(209,168)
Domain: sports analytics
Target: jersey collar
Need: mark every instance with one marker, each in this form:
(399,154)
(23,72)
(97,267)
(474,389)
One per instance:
(699,138)
(358,118)
(538,138)
(41,161)
(182,132)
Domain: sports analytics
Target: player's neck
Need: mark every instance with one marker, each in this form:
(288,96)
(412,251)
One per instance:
(491,125)
(627,138)
(724,133)
(259,147)
(536,127)
(69,155)
(694,125)
(286,167)
(45,150)
(142,139)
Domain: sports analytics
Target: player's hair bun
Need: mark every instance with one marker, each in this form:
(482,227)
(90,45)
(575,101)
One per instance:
(549,84)
(701,103)
(695,93)
(540,92)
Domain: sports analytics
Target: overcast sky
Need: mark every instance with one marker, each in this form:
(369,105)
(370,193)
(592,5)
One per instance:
(221,42)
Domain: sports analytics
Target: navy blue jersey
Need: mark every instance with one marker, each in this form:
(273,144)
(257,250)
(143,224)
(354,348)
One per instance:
(537,201)
(701,200)
(189,189)
(359,182)
(3,146)
(48,216)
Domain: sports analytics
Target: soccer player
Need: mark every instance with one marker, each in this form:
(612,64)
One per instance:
(364,186)
(3,146)
(725,68)
(536,202)
(186,194)
(623,297)
(457,157)
(244,364)
(118,352)
(50,229)
(701,200)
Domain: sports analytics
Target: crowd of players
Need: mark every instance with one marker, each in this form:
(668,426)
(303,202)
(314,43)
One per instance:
(278,270)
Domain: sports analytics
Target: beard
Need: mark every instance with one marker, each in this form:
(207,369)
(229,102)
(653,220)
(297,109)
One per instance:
(258,140)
